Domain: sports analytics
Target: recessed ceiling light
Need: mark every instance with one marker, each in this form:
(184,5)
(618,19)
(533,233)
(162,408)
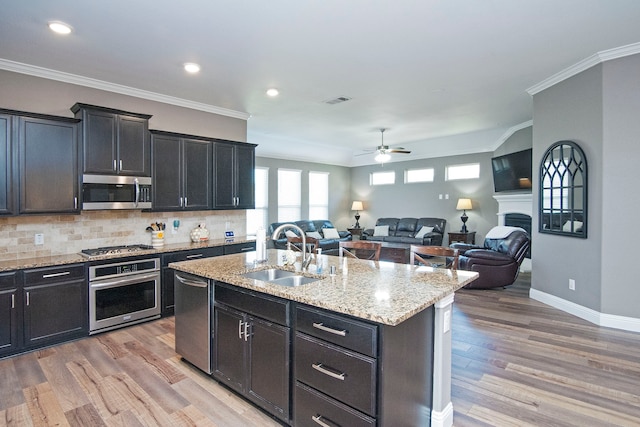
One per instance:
(272,92)
(59,27)
(191,67)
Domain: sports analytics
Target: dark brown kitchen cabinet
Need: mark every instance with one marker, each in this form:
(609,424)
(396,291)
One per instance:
(115,142)
(252,347)
(235,248)
(234,164)
(55,304)
(181,172)
(10,313)
(48,165)
(168,286)
(7,193)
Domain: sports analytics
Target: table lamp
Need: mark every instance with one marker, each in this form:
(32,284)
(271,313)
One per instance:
(463,205)
(357,206)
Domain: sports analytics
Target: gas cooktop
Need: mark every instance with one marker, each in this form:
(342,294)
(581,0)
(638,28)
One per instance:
(115,250)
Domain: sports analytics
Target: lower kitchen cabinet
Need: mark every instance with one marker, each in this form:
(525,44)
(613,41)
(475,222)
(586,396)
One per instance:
(167,297)
(55,305)
(252,347)
(234,248)
(10,313)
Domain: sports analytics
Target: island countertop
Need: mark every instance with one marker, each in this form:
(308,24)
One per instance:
(378,291)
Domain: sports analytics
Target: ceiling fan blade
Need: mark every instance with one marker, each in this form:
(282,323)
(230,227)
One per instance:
(398,150)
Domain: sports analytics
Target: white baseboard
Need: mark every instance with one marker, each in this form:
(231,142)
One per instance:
(601,319)
(443,418)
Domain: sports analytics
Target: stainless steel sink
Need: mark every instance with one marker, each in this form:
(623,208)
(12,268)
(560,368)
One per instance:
(280,277)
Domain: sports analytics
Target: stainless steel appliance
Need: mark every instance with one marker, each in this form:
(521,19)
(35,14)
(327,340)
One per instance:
(115,192)
(123,292)
(193,320)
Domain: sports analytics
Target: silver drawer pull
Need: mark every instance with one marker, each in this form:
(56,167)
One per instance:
(194,256)
(342,333)
(318,420)
(48,276)
(318,367)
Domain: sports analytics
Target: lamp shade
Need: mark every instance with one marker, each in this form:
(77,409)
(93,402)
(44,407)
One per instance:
(464,204)
(356,206)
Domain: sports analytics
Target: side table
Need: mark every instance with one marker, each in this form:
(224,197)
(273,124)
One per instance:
(356,232)
(469,237)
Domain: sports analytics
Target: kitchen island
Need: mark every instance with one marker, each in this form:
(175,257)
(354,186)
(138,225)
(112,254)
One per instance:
(370,345)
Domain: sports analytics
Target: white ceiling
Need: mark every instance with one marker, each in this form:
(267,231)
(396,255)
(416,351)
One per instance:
(444,76)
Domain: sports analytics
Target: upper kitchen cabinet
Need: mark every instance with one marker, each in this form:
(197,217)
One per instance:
(115,142)
(48,165)
(181,172)
(7,195)
(234,164)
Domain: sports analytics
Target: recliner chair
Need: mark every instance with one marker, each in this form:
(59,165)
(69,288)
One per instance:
(498,260)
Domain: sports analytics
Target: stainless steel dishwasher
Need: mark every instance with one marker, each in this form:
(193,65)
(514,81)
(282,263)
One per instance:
(193,327)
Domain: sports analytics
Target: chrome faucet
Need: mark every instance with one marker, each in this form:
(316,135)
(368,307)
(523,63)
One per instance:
(305,260)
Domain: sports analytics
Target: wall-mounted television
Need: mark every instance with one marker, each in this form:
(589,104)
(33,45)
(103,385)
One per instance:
(512,171)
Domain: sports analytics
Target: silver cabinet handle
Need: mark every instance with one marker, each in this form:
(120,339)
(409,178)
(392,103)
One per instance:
(246,330)
(318,420)
(75,203)
(115,167)
(48,276)
(13,301)
(342,333)
(185,202)
(194,256)
(247,249)
(240,329)
(120,164)
(28,299)
(320,368)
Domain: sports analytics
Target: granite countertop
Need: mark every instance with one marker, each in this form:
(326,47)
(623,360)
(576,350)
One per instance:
(54,260)
(381,292)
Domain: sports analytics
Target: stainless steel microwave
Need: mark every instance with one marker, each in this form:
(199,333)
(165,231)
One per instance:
(115,192)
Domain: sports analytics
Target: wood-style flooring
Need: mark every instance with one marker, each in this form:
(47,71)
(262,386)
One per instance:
(516,362)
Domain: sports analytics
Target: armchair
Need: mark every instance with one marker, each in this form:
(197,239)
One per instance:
(498,260)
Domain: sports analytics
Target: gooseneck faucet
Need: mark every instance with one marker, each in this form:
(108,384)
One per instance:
(305,261)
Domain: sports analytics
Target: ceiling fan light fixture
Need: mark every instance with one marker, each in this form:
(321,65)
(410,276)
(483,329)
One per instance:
(382,157)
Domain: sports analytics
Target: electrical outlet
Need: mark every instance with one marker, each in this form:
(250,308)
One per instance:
(39,239)
(572,284)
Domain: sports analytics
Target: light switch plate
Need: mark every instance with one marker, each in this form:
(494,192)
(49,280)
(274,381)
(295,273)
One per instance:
(39,239)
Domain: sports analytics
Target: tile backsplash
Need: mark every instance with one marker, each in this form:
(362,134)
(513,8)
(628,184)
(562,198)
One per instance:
(68,234)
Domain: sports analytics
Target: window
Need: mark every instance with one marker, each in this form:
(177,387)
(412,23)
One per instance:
(382,178)
(318,195)
(468,171)
(418,175)
(289,195)
(259,216)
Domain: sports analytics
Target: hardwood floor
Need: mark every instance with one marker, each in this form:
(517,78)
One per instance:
(516,362)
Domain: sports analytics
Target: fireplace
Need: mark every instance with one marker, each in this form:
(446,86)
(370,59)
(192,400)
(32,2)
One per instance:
(519,220)
(516,210)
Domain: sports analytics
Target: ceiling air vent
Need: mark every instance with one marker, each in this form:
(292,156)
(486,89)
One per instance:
(337,100)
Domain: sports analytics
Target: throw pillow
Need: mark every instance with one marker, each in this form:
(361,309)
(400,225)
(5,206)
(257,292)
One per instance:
(330,233)
(290,233)
(314,234)
(423,230)
(381,231)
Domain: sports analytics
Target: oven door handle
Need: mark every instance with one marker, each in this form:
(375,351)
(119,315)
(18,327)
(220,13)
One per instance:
(188,282)
(120,282)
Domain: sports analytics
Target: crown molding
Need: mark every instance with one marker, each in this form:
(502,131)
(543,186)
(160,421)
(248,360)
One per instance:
(60,76)
(598,58)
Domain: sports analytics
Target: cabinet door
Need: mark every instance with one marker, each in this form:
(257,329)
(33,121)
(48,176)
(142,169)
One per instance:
(7,196)
(229,347)
(224,175)
(55,312)
(133,146)
(48,166)
(10,304)
(197,174)
(269,369)
(99,142)
(167,172)
(245,175)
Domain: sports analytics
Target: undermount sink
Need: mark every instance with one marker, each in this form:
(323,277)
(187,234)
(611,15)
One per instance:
(279,277)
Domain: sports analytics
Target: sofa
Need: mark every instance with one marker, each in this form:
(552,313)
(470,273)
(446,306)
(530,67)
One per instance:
(312,228)
(498,259)
(407,230)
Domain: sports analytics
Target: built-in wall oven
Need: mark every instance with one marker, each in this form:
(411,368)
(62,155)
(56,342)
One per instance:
(123,292)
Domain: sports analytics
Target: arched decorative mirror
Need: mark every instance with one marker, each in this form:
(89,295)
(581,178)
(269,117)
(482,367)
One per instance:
(563,190)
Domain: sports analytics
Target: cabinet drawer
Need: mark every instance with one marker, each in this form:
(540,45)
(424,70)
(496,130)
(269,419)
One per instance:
(235,248)
(311,406)
(8,280)
(342,374)
(55,274)
(191,254)
(259,305)
(340,330)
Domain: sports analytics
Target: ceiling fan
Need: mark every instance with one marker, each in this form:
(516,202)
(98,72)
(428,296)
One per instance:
(384,151)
